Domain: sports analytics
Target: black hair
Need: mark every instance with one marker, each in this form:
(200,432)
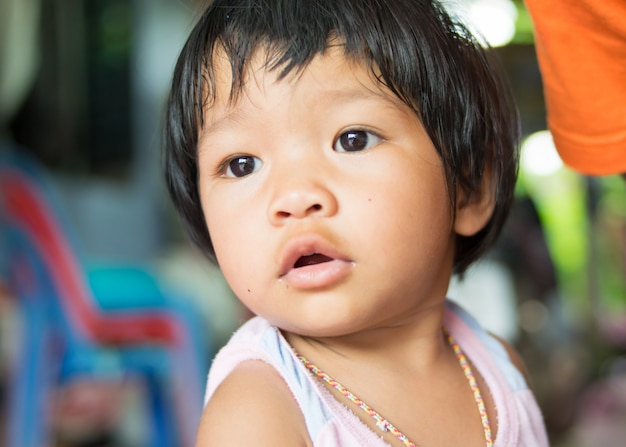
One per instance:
(425,57)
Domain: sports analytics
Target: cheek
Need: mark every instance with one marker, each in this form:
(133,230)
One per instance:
(418,196)
(413,213)
(233,259)
(236,243)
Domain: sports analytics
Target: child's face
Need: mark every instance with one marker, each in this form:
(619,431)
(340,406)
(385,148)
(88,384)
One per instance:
(325,199)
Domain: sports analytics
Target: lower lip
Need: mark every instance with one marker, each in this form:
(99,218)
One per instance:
(319,275)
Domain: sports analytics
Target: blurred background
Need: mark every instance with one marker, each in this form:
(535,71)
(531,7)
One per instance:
(106,341)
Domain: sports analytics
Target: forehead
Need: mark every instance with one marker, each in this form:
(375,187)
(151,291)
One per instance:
(329,75)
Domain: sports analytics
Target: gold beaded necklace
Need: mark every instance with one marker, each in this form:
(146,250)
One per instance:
(386,426)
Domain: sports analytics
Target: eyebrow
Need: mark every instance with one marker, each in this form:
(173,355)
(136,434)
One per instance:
(222,123)
(334,93)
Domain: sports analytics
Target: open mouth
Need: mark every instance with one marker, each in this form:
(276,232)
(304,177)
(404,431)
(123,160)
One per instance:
(312,259)
(310,263)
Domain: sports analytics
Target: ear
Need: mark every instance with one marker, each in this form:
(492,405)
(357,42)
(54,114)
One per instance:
(474,211)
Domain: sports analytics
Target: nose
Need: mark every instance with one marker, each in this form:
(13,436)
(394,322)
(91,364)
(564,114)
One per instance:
(300,197)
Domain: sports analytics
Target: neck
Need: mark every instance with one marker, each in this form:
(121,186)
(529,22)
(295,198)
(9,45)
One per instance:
(417,344)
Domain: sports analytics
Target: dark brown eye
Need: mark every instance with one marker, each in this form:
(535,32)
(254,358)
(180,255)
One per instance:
(242,166)
(356,140)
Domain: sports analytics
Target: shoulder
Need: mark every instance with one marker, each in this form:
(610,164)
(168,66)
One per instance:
(250,342)
(252,406)
(486,349)
(514,356)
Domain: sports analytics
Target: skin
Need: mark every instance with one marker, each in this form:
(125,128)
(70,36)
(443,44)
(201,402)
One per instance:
(371,316)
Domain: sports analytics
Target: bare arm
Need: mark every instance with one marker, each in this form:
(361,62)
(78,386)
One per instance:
(253,406)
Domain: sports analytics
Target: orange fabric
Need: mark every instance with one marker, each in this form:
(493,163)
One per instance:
(581,48)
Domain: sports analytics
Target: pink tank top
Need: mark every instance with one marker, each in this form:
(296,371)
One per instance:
(331,424)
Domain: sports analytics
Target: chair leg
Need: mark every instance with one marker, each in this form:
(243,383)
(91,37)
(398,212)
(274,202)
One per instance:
(30,384)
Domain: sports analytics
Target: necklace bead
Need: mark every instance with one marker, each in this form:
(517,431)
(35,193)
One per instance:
(383,424)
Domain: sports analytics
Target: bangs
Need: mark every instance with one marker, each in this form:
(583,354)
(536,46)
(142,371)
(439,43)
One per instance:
(290,34)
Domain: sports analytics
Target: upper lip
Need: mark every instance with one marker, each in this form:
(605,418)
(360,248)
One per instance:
(303,246)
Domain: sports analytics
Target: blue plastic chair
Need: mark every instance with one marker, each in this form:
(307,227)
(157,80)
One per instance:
(73,322)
